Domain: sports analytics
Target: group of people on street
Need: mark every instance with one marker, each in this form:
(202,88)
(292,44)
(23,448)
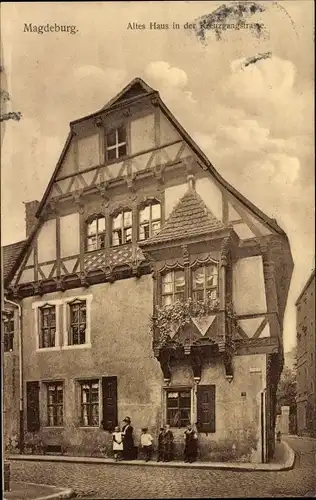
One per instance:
(124,448)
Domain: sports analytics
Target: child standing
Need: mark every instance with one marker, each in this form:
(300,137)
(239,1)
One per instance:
(117,443)
(146,443)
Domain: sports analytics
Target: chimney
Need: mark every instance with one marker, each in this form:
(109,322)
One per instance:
(31,208)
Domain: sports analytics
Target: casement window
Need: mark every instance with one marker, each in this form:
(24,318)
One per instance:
(89,403)
(55,403)
(178,407)
(205,282)
(32,406)
(109,403)
(8,333)
(149,220)
(95,233)
(77,322)
(47,320)
(116,144)
(206,406)
(122,228)
(173,287)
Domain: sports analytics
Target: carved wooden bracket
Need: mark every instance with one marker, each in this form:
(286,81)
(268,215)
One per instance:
(37,287)
(228,363)
(84,280)
(98,122)
(155,101)
(196,363)
(60,285)
(164,360)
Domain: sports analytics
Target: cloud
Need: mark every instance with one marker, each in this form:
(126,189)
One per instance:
(165,74)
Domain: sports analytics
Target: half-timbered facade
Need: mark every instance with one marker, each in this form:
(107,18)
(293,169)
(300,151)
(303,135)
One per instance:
(149,287)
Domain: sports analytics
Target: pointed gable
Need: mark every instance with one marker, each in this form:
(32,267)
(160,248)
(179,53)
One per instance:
(190,217)
(136,88)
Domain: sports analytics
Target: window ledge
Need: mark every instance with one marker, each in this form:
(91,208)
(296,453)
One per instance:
(53,427)
(76,346)
(45,349)
(89,427)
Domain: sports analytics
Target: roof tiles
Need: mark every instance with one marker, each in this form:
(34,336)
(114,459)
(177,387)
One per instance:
(10,255)
(189,218)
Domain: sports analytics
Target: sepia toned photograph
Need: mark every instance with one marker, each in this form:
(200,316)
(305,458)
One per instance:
(158,250)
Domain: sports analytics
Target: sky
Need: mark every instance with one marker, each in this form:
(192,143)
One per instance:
(255,122)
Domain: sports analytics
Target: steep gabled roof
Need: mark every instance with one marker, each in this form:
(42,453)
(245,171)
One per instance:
(308,282)
(136,88)
(190,217)
(10,254)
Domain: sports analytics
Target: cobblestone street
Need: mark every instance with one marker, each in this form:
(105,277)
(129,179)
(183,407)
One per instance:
(105,482)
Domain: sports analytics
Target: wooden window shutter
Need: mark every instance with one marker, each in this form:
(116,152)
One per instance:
(109,400)
(32,404)
(206,408)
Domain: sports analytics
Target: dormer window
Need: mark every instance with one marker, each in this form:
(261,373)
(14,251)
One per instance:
(95,233)
(115,143)
(205,282)
(149,220)
(122,228)
(173,287)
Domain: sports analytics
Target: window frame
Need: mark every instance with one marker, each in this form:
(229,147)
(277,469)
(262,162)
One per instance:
(151,221)
(98,233)
(123,228)
(66,322)
(36,308)
(8,335)
(172,294)
(115,147)
(81,304)
(43,308)
(206,289)
(178,389)
(54,405)
(90,382)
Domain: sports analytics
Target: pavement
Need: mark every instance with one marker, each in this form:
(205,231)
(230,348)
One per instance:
(96,481)
(32,491)
(283,460)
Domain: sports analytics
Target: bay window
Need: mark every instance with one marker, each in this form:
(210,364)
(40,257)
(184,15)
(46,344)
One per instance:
(122,228)
(205,282)
(173,287)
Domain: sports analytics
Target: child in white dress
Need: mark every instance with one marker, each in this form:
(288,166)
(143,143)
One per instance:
(117,443)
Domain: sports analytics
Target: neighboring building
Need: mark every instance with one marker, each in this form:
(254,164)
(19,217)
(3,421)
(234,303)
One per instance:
(306,359)
(149,287)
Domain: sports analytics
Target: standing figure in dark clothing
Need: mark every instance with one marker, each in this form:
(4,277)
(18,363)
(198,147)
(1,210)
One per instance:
(160,444)
(128,440)
(190,446)
(167,444)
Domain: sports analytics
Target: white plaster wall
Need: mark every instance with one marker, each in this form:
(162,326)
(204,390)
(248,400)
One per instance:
(46,241)
(248,286)
(69,235)
(142,133)
(88,151)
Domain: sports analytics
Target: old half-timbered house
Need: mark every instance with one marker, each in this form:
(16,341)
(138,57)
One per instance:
(148,287)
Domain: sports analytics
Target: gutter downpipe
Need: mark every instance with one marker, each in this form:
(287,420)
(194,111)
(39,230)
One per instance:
(21,399)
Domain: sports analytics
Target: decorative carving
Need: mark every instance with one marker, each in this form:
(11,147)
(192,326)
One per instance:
(127,112)
(98,122)
(196,363)
(185,254)
(155,101)
(225,248)
(130,178)
(158,173)
(228,365)
(60,285)
(37,288)
(84,280)
(108,271)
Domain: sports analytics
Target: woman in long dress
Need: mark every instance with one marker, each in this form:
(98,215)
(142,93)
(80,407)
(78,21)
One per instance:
(128,440)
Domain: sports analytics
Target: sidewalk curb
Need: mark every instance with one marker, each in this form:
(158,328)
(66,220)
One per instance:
(287,465)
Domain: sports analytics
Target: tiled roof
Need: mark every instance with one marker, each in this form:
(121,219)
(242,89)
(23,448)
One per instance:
(10,255)
(189,218)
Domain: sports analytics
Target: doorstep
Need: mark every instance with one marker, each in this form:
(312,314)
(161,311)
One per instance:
(286,463)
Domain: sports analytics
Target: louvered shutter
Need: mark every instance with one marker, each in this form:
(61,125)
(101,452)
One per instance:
(206,408)
(109,400)
(32,404)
